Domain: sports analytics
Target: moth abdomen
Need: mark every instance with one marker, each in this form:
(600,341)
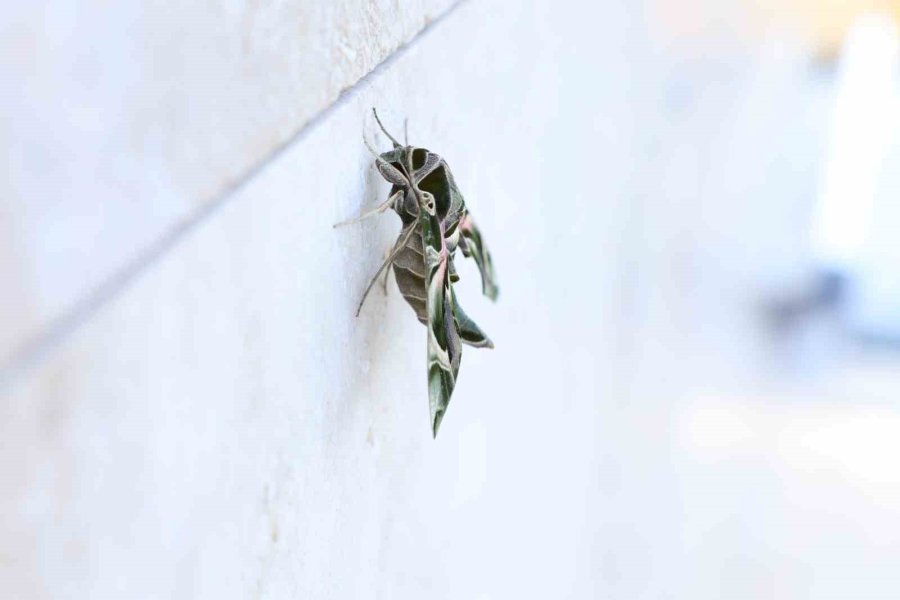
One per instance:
(409,271)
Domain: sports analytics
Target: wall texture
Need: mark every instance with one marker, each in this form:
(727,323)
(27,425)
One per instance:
(128,119)
(189,408)
(221,426)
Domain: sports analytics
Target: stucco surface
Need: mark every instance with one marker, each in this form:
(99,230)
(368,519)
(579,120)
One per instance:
(122,120)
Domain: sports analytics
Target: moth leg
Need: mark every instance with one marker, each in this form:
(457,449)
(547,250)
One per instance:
(387,274)
(375,211)
(390,137)
(390,259)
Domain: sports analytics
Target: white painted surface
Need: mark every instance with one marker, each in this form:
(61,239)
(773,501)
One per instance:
(225,428)
(222,427)
(122,120)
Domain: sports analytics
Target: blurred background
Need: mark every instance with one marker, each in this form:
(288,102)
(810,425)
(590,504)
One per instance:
(693,208)
(782,295)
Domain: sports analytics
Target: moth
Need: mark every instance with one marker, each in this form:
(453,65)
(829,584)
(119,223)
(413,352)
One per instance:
(435,223)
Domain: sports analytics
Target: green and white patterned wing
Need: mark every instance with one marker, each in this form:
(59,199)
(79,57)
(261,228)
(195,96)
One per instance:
(444,343)
(469,331)
(472,245)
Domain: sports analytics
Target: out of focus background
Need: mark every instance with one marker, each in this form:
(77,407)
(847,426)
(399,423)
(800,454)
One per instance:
(692,207)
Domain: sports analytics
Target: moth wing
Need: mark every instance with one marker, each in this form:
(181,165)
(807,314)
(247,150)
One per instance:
(444,342)
(469,332)
(472,245)
(431,162)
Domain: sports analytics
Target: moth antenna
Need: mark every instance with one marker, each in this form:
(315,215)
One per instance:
(390,137)
(406,131)
(369,147)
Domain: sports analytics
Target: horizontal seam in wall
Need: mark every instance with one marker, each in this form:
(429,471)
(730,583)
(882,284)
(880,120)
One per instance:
(32,352)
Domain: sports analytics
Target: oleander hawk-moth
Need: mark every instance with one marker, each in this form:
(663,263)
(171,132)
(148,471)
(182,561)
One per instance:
(435,222)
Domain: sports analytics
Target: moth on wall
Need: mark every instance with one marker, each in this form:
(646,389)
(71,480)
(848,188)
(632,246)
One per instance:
(435,222)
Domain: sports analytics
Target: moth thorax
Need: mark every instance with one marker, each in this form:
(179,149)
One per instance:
(428,203)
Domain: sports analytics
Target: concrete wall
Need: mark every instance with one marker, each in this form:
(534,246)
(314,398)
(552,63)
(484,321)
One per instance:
(215,422)
(190,409)
(129,120)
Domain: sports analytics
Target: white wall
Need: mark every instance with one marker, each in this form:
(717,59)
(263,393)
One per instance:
(202,416)
(222,426)
(127,120)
